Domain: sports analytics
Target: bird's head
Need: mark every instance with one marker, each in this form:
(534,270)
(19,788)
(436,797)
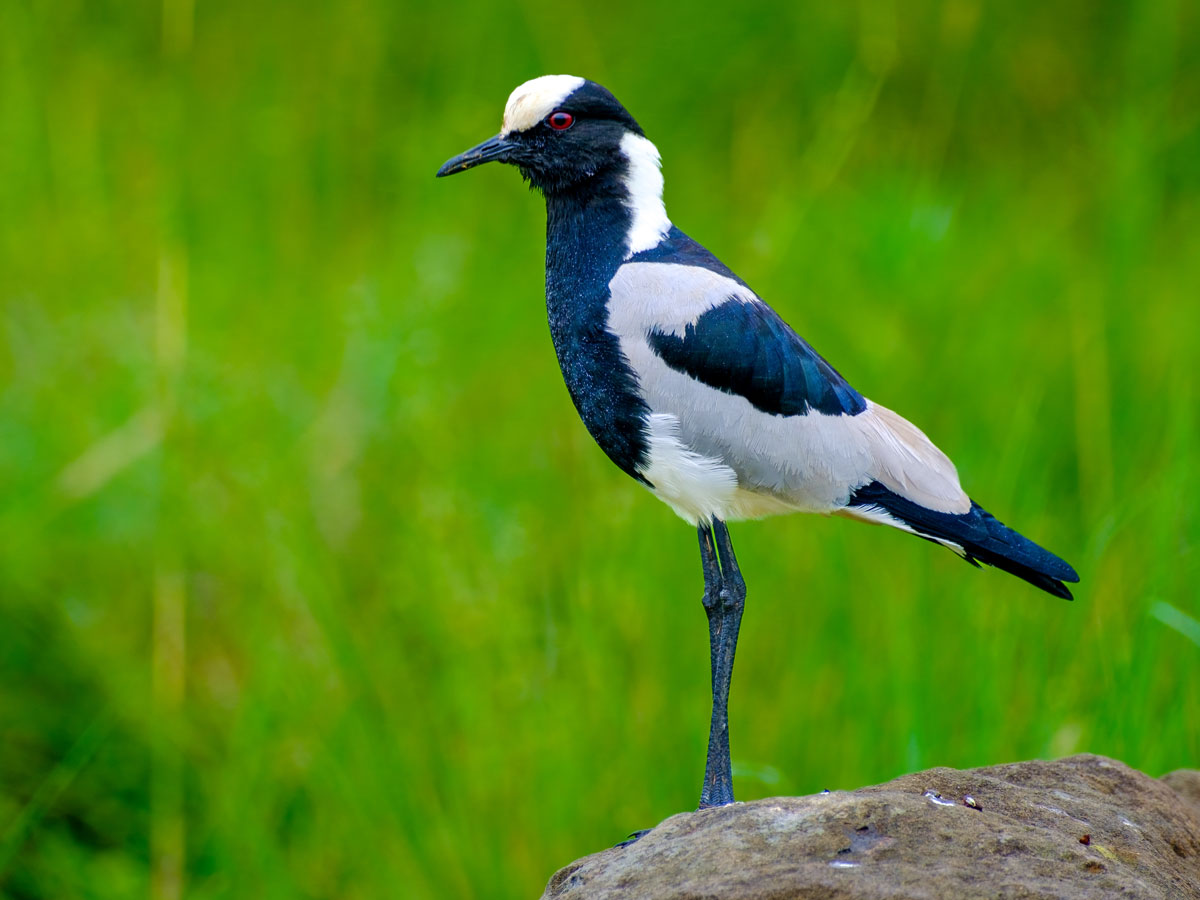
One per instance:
(561,131)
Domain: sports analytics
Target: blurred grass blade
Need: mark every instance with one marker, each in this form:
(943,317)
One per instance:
(1178,620)
(168,688)
(106,458)
(51,789)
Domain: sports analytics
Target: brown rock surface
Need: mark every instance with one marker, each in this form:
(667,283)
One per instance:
(1080,827)
(1186,783)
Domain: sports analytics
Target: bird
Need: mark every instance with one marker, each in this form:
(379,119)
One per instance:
(696,388)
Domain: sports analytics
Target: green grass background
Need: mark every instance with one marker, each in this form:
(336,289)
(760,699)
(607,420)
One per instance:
(312,584)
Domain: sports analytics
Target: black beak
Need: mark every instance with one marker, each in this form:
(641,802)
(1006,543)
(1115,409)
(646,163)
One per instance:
(496,148)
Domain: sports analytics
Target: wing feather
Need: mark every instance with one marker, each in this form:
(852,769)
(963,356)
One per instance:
(743,347)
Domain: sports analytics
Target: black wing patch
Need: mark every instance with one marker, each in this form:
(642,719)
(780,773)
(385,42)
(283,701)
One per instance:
(984,539)
(680,250)
(748,350)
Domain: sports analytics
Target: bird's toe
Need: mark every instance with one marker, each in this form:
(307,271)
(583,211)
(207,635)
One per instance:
(633,838)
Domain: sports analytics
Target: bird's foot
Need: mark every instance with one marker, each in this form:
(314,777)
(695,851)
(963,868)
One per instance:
(633,838)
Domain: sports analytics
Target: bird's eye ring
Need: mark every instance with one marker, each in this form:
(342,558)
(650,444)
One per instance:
(560,120)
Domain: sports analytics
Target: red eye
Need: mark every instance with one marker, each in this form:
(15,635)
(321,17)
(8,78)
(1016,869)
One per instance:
(560,121)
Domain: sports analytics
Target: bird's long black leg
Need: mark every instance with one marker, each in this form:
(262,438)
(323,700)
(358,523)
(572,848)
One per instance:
(712,595)
(718,605)
(725,619)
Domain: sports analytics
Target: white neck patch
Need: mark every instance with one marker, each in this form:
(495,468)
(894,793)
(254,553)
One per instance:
(534,100)
(644,181)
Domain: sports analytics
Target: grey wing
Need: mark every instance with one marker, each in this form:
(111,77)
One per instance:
(727,379)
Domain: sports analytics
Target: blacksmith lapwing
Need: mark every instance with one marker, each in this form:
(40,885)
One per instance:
(699,390)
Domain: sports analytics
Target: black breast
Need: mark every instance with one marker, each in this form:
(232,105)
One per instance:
(585,242)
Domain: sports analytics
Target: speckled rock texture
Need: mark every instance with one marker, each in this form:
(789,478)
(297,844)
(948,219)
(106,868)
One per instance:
(1085,826)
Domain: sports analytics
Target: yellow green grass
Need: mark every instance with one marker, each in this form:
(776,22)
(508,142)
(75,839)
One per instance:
(312,584)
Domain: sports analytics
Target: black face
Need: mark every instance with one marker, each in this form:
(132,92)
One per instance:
(579,140)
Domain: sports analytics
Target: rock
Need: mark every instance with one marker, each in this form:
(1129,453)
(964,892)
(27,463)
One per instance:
(1080,827)
(1186,783)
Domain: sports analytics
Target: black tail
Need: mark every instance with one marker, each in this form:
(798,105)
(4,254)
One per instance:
(982,537)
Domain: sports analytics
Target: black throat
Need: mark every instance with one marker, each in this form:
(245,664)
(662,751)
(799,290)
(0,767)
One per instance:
(586,241)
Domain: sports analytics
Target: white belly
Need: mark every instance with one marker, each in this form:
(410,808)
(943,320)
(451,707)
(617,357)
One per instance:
(700,488)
